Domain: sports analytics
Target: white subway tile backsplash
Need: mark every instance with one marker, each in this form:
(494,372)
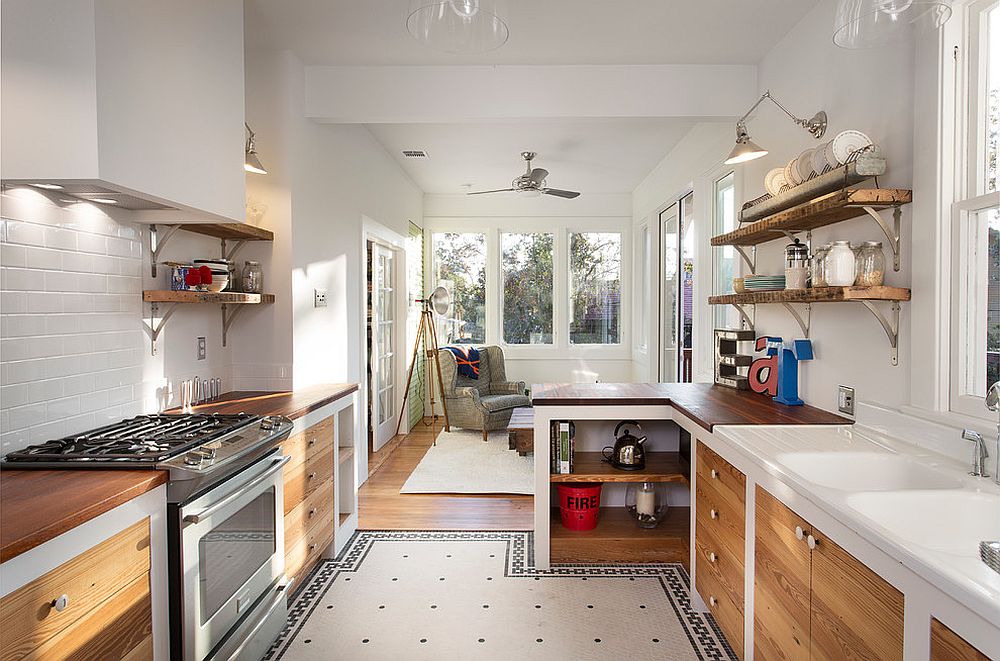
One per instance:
(11,255)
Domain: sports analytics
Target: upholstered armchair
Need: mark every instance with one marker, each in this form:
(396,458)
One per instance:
(485,403)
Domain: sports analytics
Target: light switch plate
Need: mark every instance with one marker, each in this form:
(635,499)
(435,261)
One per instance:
(845,399)
(319,298)
(201,348)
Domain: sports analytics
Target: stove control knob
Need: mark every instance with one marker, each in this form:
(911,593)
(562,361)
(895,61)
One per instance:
(193,459)
(267,423)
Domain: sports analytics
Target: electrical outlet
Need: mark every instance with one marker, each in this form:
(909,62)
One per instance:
(202,351)
(845,399)
(319,298)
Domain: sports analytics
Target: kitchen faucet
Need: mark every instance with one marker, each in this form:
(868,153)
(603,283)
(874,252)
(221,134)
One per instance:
(993,404)
(979,453)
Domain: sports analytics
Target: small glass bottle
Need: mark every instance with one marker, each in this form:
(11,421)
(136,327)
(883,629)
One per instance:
(253,278)
(870,268)
(819,266)
(840,265)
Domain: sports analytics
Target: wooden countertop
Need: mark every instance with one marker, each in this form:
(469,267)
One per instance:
(291,404)
(41,504)
(707,404)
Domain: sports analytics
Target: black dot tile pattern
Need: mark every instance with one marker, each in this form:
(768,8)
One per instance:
(700,629)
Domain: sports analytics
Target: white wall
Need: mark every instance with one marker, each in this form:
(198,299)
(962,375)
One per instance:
(494,213)
(868,90)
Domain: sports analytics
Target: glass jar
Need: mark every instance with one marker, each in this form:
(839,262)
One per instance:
(253,278)
(646,502)
(870,267)
(840,265)
(819,266)
(796,265)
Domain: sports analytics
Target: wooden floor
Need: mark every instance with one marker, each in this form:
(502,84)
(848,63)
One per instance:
(382,507)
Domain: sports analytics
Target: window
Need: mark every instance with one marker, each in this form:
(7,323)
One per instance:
(459,265)
(976,220)
(595,264)
(726,266)
(526,270)
(645,260)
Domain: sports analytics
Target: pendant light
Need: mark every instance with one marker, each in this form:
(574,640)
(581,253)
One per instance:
(873,23)
(250,161)
(747,150)
(457,26)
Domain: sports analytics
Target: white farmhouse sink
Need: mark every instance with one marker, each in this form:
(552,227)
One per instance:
(949,521)
(865,471)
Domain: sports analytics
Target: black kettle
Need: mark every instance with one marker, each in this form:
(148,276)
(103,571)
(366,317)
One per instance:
(628,454)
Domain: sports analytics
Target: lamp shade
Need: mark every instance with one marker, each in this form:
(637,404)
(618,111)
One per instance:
(252,164)
(873,23)
(745,150)
(457,26)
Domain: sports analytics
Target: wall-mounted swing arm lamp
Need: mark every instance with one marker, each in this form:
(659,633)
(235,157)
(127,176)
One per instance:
(747,150)
(250,161)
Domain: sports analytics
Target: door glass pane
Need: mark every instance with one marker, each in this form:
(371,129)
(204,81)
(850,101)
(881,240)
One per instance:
(595,260)
(459,265)
(526,268)
(668,303)
(644,276)
(992,366)
(725,256)
(232,552)
(687,287)
(990,55)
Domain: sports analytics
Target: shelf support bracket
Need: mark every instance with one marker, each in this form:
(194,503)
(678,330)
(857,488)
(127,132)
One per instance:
(231,253)
(804,324)
(156,328)
(157,243)
(751,261)
(892,234)
(228,318)
(743,314)
(890,326)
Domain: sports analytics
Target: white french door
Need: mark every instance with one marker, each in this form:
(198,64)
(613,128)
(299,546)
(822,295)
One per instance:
(384,341)
(669,288)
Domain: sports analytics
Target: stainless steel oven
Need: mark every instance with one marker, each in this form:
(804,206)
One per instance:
(231,564)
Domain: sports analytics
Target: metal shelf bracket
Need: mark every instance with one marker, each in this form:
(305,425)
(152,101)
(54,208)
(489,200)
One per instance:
(890,326)
(157,243)
(227,319)
(751,259)
(231,253)
(156,328)
(805,323)
(892,234)
(747,319)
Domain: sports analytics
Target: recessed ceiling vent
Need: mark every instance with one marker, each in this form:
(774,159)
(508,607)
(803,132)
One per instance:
(414,153)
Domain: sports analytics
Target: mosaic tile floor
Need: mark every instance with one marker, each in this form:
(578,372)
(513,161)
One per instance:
(475,595)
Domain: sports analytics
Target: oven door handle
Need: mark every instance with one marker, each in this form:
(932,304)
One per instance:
(276,464)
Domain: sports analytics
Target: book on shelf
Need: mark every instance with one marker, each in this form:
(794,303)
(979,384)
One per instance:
(563,447)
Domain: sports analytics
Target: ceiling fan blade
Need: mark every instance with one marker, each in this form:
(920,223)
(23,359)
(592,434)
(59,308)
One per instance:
(484,192)
(568,194)
(538,175)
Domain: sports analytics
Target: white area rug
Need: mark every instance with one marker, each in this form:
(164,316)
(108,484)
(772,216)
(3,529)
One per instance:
(446,596)
(462,463)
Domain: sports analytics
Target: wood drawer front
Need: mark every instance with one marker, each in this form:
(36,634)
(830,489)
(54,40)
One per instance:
(723,609)
(316,510)
(302,480)
(27,616)
(717,559)
(854,613)
(300,557)
(946,645)
(307,443)
(724,518)
(726,481)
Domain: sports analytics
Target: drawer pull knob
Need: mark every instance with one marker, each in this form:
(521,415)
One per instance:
(799,533)
(312,475)
(61,603)
(312,547)
(715,474)
(312,512)
(713,601)
(712,557)
(312,442)
(714,514)
(811,541)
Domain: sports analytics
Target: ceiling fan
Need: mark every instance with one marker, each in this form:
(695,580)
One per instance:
(531,183)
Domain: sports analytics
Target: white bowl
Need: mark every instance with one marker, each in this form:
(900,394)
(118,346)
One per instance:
(218,283)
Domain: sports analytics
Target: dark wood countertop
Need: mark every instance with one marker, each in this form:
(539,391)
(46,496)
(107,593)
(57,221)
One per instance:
(707,404)
(39,505)
(291,404)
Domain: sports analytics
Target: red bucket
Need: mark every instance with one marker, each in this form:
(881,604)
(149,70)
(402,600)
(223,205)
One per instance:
(579,505)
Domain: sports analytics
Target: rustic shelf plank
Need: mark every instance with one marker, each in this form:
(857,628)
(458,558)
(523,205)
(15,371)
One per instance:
(230,231)
(591,467)
(189,296)
(826,210)
(814,295)
(617,538)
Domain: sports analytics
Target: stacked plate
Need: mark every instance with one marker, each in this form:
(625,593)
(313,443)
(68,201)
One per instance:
(816,160)
(764,282)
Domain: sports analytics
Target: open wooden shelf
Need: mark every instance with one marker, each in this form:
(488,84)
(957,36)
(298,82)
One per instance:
(190,296)
(814,295)
(344,516)
(344,454)
(591,467)
(617,538)
(230,231)
(832,208)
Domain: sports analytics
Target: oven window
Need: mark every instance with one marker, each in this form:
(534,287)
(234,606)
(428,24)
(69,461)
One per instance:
(232,552)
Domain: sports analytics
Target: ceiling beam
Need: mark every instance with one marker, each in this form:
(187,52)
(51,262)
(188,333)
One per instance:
(448,94)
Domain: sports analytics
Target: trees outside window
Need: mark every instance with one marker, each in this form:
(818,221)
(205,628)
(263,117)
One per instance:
(459,265)
(527,279)
(595,265)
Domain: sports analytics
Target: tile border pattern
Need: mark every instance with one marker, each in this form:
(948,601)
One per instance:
(702,632)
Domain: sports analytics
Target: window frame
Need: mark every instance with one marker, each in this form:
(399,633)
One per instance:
(621,296)
(501,305)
